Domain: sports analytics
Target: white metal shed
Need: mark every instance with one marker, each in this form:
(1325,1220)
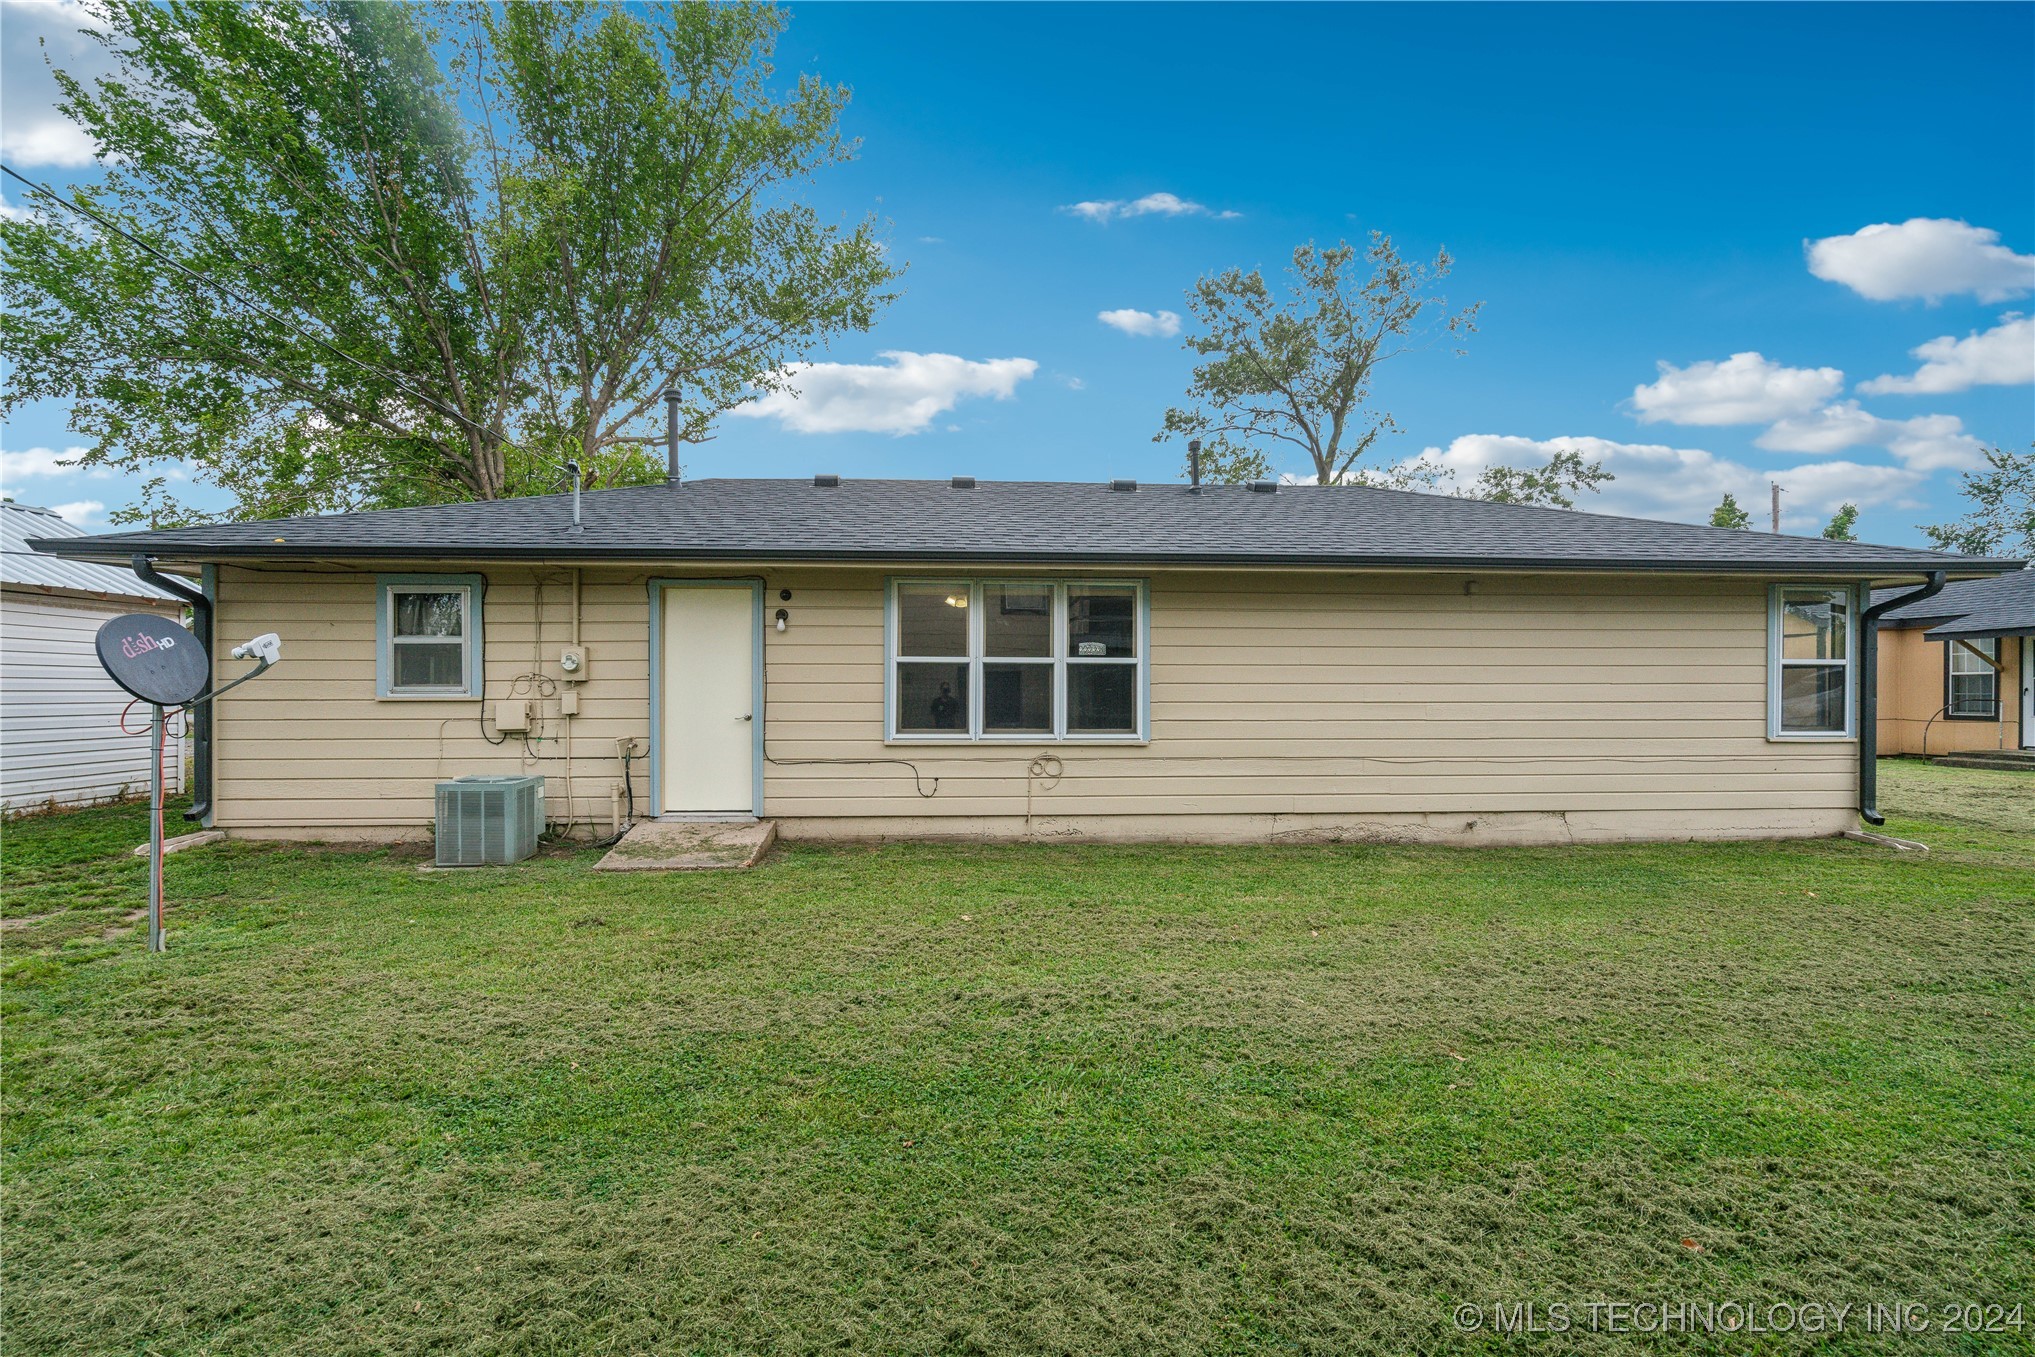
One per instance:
(60,740)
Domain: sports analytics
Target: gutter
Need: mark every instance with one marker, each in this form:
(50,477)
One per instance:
(1869,696)
(1976,566)
(201,715)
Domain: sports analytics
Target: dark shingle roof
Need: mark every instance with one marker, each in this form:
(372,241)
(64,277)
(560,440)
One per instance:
(1028,521)
(2004,606)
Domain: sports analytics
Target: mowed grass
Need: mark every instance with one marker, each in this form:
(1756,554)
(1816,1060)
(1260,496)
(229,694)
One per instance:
(1027,1099)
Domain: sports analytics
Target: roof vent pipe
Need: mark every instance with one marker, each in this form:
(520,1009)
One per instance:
(671,436)
(1194,465)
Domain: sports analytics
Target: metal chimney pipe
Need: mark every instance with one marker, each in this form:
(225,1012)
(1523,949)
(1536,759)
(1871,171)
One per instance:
(1194,465)
(671,436)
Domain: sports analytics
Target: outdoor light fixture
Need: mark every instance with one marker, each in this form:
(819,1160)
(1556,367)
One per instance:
(957,600)
(783,616)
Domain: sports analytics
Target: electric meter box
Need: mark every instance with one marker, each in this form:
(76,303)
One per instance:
(573,662)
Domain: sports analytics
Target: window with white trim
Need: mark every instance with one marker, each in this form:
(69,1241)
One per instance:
(427,632)
(1810,659)
(1971,680)
(1022,660)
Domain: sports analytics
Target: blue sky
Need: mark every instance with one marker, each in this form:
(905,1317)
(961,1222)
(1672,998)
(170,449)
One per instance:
(1622,187)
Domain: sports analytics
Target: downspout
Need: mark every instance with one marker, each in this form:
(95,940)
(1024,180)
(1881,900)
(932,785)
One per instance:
(1869,696)
(201,717)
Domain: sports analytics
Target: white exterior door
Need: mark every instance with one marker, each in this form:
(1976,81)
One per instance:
(2028,692)
(707,762)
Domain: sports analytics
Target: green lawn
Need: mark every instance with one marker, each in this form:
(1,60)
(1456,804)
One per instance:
(1017,1099)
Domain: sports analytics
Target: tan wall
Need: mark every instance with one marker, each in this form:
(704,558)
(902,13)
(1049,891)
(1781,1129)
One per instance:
(1913,693)
(1307,705)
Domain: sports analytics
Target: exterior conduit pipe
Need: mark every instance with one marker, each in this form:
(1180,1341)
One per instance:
(1869,695)
(200,716)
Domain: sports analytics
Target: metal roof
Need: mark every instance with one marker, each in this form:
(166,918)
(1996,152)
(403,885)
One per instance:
(1028,522)
(20,523)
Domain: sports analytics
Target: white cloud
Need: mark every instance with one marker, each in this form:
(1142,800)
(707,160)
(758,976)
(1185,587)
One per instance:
(1744,389)
(1926,443)
(1932,257)
(1151,205)
(1164,324)
(1685,484)
(25,464)
(41,33)
(900,398)
(2001,356)
(1935,442)
(82,513)
(1831,429)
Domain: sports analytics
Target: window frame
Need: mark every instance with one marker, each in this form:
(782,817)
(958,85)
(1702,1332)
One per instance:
(1950,712)
(387,587)
(1777,662)
(1058,661)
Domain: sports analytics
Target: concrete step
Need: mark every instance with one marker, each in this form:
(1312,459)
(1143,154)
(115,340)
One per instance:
(2017,760)
(690,846)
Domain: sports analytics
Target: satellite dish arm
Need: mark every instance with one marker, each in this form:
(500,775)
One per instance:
(260,666)
(266,649)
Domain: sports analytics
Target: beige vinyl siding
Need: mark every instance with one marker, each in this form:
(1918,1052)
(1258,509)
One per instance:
(1282,703)
(310,747)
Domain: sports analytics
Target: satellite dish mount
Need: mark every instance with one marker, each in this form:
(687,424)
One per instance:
(162,664)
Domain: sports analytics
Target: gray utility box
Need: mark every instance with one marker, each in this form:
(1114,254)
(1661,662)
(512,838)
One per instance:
(489,818)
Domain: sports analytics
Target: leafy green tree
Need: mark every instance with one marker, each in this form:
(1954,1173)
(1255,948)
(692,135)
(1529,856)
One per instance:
(434,263)
(1296,371)
(2001,520)
(1565,476)
(1728,514)
(1842,524)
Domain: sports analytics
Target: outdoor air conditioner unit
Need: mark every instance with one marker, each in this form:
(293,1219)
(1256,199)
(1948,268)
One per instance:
(486,819)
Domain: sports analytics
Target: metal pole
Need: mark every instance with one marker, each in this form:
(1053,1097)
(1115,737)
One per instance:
(155,832)
(1777,504)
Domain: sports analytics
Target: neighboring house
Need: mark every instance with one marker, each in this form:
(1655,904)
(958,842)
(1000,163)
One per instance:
(60,740)
(1106,661)
(1957,671)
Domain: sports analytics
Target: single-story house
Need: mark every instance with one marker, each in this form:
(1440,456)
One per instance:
(1957,670)
(1093,661)
(60,738)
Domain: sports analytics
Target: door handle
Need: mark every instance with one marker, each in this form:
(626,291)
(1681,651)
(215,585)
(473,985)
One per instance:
(750,717)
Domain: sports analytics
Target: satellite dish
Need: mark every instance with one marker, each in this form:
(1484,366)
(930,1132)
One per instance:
(154,658)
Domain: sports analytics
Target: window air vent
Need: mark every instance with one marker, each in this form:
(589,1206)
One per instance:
(826,480)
